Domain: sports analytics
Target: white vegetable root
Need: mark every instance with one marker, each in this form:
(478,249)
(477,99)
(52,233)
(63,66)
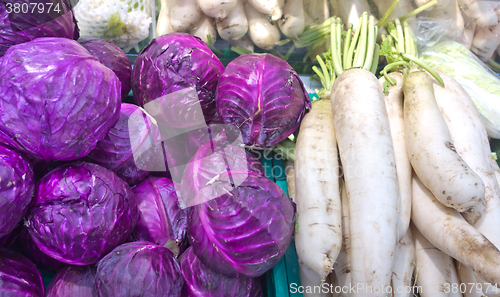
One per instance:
(434,268)
(469,30)
(292,22)
(310,280)
(317,190)
(290,178)
(431,150)
(467,278)
(342,267)
(449,12)
(205,27)
(394,106)
(184,14)
(368,163)
(263,33)
(235,25)
(273,8)
(244,42)
(163,25)
(481,13)
(403,266)
(217,9)
(447,230)
(485,42)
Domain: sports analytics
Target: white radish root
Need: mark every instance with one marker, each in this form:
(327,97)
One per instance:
(263,32)
(163,25)
(485,42)
(317,191)
(434,268)
(342,267)
(292,22)
(447,230)
(204,28)
(403,266)
(368,162)
(310,280)
(244,42)
(449,12)
(273,8)
(394,106)
(469,30)
(431,150)
(481,13)
(235,25)
(290,178)
(217,9)
(184,14)
(467,278)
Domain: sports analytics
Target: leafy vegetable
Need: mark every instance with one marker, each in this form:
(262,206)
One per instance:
(19,277)
(264,97)
(17,185)
(72,281)
(112,57)
(482,85)
(57,99)
(178,73)
(21,27)
(204,282)
(161,219)
(32,252)
(131,146)
(138,269)
(245,231)
(81,212)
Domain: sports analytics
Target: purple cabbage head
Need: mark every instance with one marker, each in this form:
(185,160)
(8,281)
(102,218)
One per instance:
(57,100)
(39,258)
(244,232)
(175,77)
(21,27)
(112,57)
(201,281)
(263,96)
(131,145)
(161,219)
(138,269)
(77,281)
(82,211)
(19,277)
(17,185)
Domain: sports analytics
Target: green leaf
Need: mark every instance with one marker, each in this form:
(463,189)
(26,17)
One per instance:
(386,85)
(386,49)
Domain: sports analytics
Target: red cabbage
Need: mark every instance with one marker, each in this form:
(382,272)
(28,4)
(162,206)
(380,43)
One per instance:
(19,277)
(77,281)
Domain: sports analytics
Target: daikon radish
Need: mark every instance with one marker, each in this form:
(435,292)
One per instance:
(319,11)
(402,8)
(481,13)
(434,268)
(450,11)
(317,191)
(468,281)
(440,4)
(488,289)
(307,19)
(184,14)
(431,150)
(342,267)
(273,8)
(368,162)
(217,9)
(290,178)
(292,23)
(447,230)
(263,32)
(311,281)
(402,271)
(204,28)
(471,143)
(485,42)
(163,25)
(235,25)
(394,106)
(244,42)
(469,30)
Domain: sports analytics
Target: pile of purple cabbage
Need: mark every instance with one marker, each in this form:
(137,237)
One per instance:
(165,197)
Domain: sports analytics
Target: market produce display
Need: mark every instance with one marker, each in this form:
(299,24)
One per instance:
(384,182)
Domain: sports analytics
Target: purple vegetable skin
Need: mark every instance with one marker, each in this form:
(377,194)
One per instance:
(39,258)
(204,282)
(23,27)
(12,238)
(161,219)
(82,211)
(263,96)
(131,146)
(57,100)
(138,269)
(77,281)
(184,68)
(19,277)
(112,57)
(244,232)
(17,185)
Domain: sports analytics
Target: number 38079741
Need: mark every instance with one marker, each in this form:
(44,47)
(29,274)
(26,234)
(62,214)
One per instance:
(17,8)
